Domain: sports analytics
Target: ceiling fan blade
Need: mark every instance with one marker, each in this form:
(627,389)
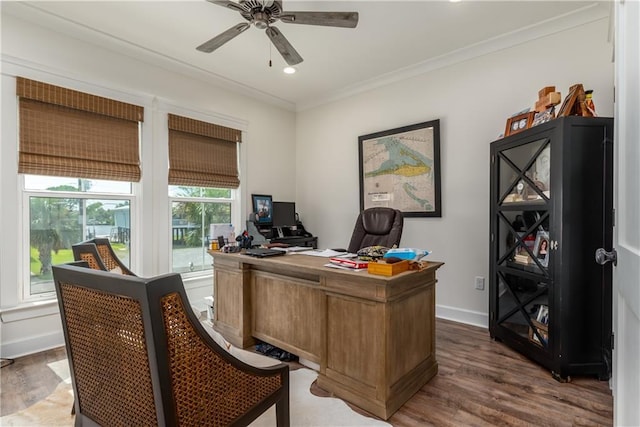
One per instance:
(228,4)
(222,38)
(284,47)
(329,19)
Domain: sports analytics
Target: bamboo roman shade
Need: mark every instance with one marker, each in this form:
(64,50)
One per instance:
(202,154)
(64,132)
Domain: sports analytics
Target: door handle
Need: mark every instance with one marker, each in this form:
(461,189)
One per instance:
(603,257)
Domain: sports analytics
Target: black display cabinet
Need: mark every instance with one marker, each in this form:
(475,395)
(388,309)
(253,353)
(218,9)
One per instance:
(551,210)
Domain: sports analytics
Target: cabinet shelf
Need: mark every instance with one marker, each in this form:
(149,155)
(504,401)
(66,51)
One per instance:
(516,267)
(518,203)
(556,311)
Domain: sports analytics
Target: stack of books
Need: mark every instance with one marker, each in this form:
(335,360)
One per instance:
(522,259)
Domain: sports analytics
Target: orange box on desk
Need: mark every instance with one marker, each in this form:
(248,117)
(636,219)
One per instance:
(384,269)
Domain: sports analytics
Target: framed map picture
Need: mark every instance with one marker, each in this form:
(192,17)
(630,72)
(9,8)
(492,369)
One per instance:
(400,169)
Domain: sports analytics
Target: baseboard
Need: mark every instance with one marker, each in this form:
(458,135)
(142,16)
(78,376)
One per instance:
(197,290)
(474,318)
(35,344)
(32,344)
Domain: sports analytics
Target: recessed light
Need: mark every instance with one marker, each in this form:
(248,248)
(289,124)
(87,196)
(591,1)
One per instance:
(289,70)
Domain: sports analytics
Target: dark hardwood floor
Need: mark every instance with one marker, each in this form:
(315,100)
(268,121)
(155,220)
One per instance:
(480,382)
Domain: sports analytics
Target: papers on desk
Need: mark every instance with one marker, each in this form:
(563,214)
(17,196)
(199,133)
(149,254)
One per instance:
(325,253)
(295,249)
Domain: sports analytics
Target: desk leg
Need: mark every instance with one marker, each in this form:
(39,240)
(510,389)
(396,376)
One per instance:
(232,314)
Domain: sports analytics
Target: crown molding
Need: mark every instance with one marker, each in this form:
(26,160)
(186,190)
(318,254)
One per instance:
(148,56)
(591,13)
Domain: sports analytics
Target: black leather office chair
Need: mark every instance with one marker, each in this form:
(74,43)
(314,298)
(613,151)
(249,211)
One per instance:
(377,227)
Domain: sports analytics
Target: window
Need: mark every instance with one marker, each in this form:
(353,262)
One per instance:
(193,211)
(64,211)
(203,187)
(78,156)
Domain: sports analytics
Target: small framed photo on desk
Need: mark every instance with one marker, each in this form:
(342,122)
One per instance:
(262,208)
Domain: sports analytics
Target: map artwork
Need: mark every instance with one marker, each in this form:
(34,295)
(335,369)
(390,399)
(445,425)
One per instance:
(398,170)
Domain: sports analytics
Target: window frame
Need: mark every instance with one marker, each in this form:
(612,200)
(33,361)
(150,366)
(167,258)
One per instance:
(233,200)
(25,246)
(148,199)
(161,118)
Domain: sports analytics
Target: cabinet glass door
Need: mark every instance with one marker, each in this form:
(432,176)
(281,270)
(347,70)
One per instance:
(523,241)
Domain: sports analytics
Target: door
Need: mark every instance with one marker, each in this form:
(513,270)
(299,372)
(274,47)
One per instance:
(626,276)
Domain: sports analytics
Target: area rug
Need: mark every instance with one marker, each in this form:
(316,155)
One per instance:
(306,409)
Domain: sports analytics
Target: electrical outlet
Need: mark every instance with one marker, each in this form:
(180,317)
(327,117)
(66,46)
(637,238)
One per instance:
(479,283)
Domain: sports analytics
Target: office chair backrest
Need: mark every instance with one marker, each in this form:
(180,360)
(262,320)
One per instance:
(377,227)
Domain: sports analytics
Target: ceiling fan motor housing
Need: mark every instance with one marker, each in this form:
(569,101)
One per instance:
(261,13)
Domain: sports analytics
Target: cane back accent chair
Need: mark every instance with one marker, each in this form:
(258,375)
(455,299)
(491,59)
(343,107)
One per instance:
(138,356)
(100,255)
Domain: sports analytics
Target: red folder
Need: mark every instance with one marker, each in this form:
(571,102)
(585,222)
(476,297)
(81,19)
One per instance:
(351,263)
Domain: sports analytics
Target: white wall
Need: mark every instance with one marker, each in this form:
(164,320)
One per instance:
(472,99)
(35,52)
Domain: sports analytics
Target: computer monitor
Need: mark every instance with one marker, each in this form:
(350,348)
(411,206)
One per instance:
(283,215)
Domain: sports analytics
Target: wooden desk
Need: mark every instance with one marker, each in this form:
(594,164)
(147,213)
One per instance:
(373,336)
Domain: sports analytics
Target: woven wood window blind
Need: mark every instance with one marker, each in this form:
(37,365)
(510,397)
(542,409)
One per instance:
(202,154)
(64,132)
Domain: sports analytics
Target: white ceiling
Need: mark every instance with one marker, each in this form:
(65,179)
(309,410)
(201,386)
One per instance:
(393,40)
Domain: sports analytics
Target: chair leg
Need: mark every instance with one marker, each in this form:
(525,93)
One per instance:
(283,418)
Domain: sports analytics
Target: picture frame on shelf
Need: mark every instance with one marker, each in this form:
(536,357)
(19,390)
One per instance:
(542,332)
(574,102)
(519,122)
(542,315)
(544,116)
(262,208)
(541,248)
(400,168)
(543,167)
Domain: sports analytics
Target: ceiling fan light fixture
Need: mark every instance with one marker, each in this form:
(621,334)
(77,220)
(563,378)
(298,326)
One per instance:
(261,20)
(289,70)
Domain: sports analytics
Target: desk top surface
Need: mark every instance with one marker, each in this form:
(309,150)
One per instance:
(315,264)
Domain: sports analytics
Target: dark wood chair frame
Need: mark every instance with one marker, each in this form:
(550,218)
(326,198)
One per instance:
(151,294)
(99,253)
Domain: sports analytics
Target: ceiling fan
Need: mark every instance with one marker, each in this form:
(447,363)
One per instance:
(263,13)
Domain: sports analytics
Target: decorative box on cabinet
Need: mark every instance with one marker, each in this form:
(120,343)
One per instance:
(551,209)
